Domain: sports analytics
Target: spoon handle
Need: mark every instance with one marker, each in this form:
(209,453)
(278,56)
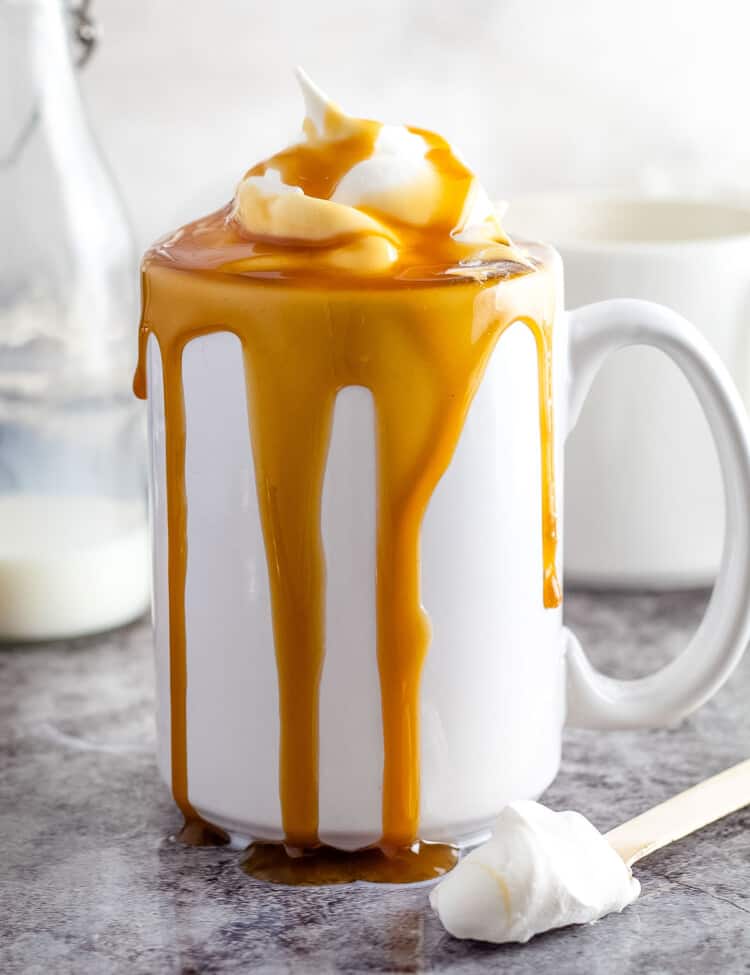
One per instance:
(683,814)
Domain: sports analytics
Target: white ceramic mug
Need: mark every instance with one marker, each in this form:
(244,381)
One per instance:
(644,499)
(493,692)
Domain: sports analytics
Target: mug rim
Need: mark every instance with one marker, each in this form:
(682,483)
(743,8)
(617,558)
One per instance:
(598,201)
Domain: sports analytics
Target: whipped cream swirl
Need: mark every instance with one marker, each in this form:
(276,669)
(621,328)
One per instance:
(540,870)
(363,196)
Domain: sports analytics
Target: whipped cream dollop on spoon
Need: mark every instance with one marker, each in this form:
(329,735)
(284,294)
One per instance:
(543,869)
(540,870)
(364,196)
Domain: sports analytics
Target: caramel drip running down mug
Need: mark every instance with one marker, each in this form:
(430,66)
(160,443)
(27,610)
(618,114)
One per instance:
(502,674)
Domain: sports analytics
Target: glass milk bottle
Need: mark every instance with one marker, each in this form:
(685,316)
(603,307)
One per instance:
(73,522)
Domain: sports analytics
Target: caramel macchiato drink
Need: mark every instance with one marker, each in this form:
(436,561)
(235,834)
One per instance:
(365,260)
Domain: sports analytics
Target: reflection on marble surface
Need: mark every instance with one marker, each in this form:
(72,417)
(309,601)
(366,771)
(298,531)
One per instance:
(91,882)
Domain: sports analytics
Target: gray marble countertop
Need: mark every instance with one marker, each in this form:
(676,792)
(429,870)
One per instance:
(90,880)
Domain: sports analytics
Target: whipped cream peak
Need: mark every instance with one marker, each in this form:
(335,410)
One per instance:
(368,197)
(539,870)
(323,116)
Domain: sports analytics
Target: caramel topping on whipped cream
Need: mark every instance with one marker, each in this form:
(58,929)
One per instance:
(369,198)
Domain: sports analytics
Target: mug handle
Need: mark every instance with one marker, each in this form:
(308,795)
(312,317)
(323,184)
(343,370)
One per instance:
(665,697)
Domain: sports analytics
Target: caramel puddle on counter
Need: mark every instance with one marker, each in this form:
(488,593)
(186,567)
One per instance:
(420,343)
(280,864)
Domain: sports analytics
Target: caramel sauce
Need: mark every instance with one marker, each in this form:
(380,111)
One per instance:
(456,180)
(316,167)
(419,340)
(278,863)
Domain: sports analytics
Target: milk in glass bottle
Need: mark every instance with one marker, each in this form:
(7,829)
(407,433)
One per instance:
(73,523)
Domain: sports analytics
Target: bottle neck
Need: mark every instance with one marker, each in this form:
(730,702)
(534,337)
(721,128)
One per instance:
(38,83)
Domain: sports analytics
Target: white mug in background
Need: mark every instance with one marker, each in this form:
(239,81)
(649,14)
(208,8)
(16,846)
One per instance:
(493,694)
(644,500)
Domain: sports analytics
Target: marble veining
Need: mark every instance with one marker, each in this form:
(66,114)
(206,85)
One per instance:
(91,882)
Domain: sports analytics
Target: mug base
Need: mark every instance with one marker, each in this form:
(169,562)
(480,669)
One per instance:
(242,836)
(639,581)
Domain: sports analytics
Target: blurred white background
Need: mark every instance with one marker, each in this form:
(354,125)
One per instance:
(648,94)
